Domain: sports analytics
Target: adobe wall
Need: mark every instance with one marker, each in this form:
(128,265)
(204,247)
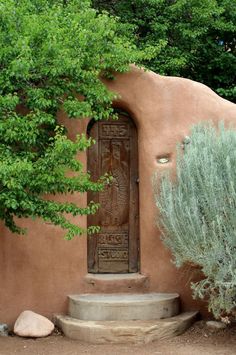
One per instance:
(39,270)
(164,110)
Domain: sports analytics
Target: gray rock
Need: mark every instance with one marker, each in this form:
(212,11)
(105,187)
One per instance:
(30,324)
(215,325)
(3,330)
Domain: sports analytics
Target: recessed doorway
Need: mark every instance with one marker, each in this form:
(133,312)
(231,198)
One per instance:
(115,249)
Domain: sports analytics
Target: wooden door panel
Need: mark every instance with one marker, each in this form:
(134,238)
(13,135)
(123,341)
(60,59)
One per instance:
(115,248)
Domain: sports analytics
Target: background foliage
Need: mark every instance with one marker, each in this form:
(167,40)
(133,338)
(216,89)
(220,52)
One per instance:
(51,53)
(197,37)
(198,214)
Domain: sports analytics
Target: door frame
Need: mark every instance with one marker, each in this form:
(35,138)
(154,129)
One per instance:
(134,243)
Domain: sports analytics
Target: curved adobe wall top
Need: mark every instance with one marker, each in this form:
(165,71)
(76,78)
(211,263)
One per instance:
(164,109)
(163,102)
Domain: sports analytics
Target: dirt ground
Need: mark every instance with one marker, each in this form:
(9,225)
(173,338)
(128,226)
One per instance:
(198,340)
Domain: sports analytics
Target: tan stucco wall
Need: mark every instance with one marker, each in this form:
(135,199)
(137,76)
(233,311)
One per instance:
(39,270)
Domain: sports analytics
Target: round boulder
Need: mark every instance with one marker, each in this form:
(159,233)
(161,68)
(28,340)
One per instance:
(31,324)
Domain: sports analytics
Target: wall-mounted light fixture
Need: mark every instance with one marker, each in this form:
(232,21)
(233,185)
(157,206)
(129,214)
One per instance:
(163,160)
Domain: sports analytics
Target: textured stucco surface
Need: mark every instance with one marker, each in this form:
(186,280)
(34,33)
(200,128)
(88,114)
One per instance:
(39,270)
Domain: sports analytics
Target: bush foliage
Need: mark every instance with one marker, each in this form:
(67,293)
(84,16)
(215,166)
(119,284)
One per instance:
(197,38)
(51,53)
(197,213)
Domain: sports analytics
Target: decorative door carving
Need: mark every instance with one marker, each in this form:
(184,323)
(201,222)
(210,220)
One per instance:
(115,248)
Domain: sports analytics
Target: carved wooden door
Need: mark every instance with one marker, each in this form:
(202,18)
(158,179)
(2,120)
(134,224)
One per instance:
(115,248)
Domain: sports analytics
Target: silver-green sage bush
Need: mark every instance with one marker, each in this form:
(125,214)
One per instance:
(197,213)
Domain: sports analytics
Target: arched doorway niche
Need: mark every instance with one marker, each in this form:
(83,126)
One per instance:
(115,249)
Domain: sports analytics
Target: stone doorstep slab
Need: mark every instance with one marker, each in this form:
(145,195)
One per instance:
(124,332)
(99,307)
(117,283)
(116,277)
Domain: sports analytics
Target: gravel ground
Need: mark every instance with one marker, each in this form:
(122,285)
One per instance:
(198,340)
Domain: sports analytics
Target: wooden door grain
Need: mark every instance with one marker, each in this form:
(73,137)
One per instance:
(115,248)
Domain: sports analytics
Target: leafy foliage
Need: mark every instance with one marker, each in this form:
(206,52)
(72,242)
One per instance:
(198,214)
(52,54)
(198,38)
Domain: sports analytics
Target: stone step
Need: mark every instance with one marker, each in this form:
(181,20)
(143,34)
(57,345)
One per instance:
(124,332)
(116,283)
(99,307)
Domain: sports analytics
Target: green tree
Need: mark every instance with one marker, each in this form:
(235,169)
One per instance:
(197,214)
(52,52)
(198,37)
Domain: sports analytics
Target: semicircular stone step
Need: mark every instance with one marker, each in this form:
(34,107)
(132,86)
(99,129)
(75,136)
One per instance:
(124,332)
(99,307)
